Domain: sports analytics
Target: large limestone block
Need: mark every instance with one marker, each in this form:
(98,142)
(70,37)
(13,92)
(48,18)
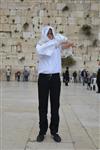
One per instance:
(99,36)
(71,20)
(12,12)
(3,5)
(58,20)
(73,29)
(99,6)
(6,27)
(13,28)
(11,41)
(16,34)
(11,20)
(8,49)
(1,27)
(23,19)
(41,13)
(12,5)
(36,20)
(4,19)
(17,5)
(79,7)
(56,13)
(94,6)
(95,21)
(20,12)
(4,35)
(17,19)
(4,11)
(19,27)
(77,14)
(94,14)
(60,6)
(79,21)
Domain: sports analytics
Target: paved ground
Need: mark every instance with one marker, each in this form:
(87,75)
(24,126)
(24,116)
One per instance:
(79,122)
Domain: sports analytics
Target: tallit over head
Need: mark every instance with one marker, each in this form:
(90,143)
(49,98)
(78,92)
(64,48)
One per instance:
(58,38)
(44,37)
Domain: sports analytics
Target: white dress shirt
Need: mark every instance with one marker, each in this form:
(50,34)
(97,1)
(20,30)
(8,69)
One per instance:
(49,54)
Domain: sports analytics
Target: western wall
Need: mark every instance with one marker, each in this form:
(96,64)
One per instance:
(21,22)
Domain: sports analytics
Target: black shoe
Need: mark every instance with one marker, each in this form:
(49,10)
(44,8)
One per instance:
(56,138)
(40,138)
(97,92)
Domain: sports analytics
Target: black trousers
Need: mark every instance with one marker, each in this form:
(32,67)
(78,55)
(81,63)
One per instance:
(49,85)
(98,85)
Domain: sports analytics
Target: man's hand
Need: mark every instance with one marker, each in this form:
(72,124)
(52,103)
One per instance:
(65,45)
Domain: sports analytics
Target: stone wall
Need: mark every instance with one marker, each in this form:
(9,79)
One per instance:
(21,22)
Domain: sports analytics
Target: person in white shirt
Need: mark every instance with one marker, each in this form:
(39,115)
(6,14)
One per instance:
(49,69)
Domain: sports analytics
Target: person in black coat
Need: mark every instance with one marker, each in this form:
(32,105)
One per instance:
(67,76)
(98,80)
(75,76)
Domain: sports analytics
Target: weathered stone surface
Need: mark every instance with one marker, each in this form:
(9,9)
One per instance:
(37,13)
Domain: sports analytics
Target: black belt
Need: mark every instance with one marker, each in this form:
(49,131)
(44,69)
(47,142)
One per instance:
(49,75)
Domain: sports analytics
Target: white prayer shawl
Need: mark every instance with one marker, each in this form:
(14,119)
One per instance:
(46,46)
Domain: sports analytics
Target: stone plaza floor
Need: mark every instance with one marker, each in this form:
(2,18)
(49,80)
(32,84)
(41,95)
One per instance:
(79,118)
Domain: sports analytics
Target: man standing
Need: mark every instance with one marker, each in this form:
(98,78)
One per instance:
(8,74)
(67,76)
(98,80)
(49,69)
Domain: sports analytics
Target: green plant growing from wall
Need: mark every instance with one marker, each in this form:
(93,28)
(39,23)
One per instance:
(33,25)
(87,16)
(16,31)
(95,43)
(13,21)
(7,57)
(29,9)
(25,26)
(86,29)
(81,46)
(8,16)
(68,61)
(48,16)
(3,45)
(65,8)
(22,58)
(61,32)
(21,37)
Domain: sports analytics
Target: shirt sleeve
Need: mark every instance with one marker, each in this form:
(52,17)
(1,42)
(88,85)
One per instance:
(61,38)
(66,52)
(46,48)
